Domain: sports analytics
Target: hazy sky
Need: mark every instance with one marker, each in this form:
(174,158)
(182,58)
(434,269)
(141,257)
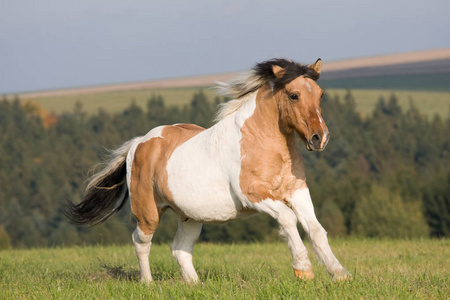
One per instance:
(49,44)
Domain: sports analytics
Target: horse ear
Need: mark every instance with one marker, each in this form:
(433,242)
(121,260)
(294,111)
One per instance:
(278,71)
(317,66)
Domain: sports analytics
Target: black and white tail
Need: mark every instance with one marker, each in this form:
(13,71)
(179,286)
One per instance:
(106,192)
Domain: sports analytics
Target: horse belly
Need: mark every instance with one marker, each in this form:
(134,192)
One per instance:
(202,197)
(200,188)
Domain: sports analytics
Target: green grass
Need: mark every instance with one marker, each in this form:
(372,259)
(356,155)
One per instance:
(386,269)
(428,102)
(118,101)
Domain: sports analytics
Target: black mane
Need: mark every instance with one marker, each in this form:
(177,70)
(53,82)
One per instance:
(261,74)
(292,71)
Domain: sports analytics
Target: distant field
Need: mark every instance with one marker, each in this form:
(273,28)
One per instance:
(407,82)
(386,269)
(118,100)
(368,77)
(427,102)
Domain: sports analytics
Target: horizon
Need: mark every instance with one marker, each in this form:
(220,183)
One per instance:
(55,45)
(202,80)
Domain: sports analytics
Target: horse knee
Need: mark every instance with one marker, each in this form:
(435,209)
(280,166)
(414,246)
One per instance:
(181,255)
(316,230)
(142,242)
(182,246)
(287,217)
(287,222)
(181,249)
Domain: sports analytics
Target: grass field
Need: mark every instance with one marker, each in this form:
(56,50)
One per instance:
(429,103)
(382,269)
(117,101)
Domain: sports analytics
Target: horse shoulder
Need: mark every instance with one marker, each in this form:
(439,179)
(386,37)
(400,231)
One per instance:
(270,173)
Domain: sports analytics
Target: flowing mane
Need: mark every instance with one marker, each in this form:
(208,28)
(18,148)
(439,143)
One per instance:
(241,88)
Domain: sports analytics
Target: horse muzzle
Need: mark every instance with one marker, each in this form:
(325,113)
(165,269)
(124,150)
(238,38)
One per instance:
(318,141)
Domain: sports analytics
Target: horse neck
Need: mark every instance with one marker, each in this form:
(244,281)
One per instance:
(264,124)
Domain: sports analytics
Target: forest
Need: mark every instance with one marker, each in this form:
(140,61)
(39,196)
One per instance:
(382,175)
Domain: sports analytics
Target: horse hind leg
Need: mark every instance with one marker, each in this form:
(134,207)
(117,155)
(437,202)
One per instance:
(142,244)
(148,215)
(183,247)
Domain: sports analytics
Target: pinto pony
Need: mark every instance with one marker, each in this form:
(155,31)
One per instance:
(246,163)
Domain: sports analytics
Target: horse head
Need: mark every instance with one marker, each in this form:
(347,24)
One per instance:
(298,99)
(292,92)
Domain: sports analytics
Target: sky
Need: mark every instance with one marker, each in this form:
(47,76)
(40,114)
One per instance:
(52,44)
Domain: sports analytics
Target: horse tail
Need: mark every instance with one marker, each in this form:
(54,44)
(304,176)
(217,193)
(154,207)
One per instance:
(106,192)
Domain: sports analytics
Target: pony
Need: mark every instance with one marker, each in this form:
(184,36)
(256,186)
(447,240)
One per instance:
(247,163)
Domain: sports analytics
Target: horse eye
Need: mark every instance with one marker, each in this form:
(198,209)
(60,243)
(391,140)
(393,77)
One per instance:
(293,96)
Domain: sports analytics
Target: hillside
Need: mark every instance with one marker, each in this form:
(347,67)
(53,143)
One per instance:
(412,63)
(429,70)
(419,77)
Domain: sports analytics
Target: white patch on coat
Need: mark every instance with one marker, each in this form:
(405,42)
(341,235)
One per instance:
(325,133)
(154,133)
(203,173)
(308,86)
(320,117)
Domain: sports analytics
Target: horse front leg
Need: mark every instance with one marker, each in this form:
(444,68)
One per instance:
(288,229)
(303,207)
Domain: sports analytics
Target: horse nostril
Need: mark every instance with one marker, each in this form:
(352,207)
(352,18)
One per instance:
(315,139)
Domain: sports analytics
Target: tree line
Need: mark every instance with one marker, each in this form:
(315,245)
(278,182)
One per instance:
(382,175)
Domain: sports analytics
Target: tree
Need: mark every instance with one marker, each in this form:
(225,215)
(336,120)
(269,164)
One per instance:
(201,112)
(5,241)
(383,213)
(436,201)
(156,111)
(385,174)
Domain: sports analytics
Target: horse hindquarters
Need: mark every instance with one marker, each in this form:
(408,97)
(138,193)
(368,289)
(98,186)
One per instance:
(144,200)
(149,191)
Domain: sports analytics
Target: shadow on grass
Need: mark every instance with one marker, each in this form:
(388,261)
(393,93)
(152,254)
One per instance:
(126,274)
(118,272)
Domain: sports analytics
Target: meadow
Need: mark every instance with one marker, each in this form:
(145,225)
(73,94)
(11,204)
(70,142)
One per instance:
(117,101)
(382,269)
(428,102)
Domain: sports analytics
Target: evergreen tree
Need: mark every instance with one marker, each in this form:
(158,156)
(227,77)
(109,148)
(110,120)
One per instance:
(382,175)
(156,111)
(385,214)
(201,112)
(437,204)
